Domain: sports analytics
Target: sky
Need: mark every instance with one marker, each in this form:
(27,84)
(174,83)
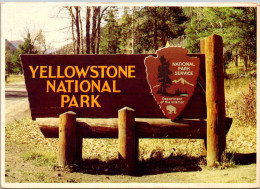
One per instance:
(17,18)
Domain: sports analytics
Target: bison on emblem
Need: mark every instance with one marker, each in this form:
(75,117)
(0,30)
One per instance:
(171,109)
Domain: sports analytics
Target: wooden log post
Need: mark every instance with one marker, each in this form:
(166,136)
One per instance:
(212,46)
(67,147)
(202,50)
(127,144)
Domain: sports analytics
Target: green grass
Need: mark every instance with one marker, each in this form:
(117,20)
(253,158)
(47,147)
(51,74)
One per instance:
(239,71)
(40,158)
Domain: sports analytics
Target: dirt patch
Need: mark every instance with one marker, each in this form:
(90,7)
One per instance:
(166,170)
(16,102)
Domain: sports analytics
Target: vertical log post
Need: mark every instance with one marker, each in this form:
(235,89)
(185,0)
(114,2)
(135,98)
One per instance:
(212,46)
(202,51)
(67,139)
(127,144)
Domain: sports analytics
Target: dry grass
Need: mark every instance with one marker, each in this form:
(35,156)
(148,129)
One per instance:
(14,78)
(242,135)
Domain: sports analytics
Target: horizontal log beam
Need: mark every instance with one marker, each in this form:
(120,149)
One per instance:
(145,128)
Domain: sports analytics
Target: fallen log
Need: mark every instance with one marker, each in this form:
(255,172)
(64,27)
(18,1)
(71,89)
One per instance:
(145,128)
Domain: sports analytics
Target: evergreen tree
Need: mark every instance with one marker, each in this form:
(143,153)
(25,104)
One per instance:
(126,31)
(237,26)
(8,61)
(111,34)
(157,25)
(26,48)
(163,76)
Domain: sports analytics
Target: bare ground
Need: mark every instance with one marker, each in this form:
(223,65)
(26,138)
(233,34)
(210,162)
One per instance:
(18,170)
(16,102)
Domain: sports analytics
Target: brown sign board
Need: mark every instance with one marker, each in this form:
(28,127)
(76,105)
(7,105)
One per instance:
(97,86)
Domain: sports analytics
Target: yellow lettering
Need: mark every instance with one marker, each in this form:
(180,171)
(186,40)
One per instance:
(58,73)
(69,85)
(82,71)
(61,87)
(108,72)
(50,73)
(66,72)
(81,86)
(102,70)
(106,87)
(51,85)
(43,70)
(33,71)
(94,71)
(123,71)
(130,71)
(94,101)
(84,99)
(114,87)
(73,102)
(76,86)
(94,84)
(63,101)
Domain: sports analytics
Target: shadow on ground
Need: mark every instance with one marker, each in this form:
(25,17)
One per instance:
(157,165)
(15,94)
(242,159)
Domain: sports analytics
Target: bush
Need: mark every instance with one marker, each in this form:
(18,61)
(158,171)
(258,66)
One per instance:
(249,104)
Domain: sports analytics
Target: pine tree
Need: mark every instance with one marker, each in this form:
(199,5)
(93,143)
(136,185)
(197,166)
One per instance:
(237,26)
(26,48)
(157,25)
(111,34)
(163,76)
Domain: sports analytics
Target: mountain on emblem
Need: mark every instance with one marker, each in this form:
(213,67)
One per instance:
(182,81)
(172,77)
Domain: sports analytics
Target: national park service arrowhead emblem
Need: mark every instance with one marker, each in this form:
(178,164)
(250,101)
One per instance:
(172,77)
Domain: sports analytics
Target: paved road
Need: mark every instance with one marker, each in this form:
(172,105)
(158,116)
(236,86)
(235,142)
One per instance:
(16,102)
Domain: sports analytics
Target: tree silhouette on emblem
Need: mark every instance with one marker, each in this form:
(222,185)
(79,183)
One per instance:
(163,76)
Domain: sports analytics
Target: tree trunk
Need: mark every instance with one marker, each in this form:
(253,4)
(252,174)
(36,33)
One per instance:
(133,30)
(77,29)
(87,31)
(81,34)
(100,16)
(155,36)
(98,31)
(72,29)
(236,58)
(94,29)
(164,40)
(245,59)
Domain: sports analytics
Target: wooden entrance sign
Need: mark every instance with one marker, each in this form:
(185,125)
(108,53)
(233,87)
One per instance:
(97,86)
(77,88)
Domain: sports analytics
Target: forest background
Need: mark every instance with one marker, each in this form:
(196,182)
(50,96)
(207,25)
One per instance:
(135,30)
